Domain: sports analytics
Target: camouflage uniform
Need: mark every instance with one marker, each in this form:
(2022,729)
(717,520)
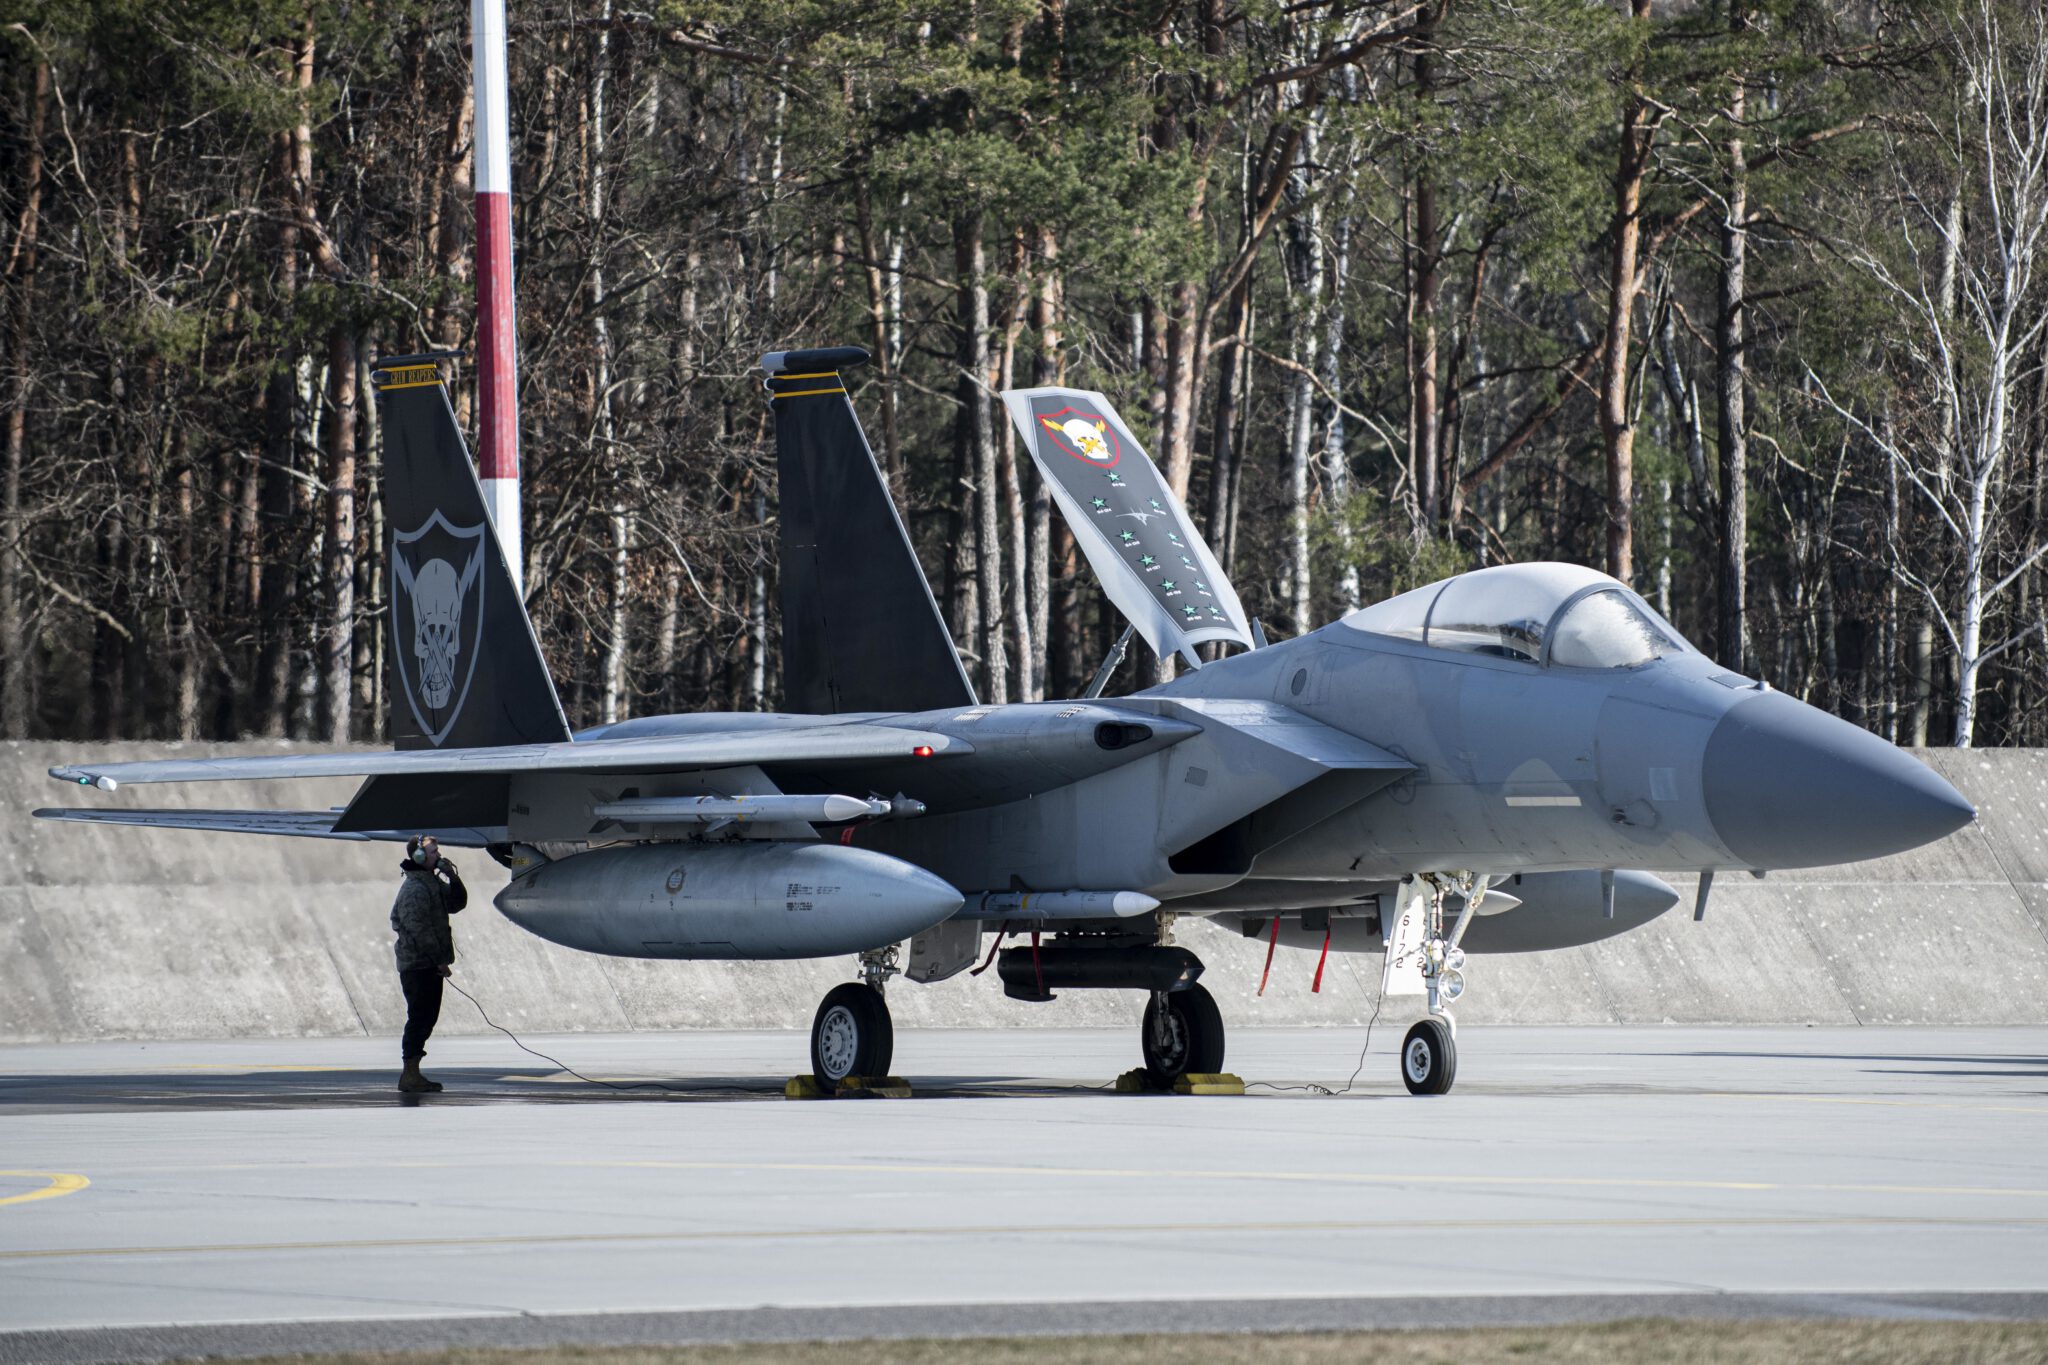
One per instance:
(420,919)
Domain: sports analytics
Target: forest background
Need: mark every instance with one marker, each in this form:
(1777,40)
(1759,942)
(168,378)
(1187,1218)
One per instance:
(1736,299)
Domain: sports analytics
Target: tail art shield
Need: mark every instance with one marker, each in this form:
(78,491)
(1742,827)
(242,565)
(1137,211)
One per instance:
(437,618)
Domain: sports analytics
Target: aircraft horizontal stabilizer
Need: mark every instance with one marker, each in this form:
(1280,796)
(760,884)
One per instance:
(1154,565)
(296,824)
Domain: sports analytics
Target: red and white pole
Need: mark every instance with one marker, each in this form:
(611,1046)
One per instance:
(497,332)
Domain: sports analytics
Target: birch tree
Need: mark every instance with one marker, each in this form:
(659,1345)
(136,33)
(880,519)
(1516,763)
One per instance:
(1966,288)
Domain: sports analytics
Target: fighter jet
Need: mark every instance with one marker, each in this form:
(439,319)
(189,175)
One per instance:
(1499,762)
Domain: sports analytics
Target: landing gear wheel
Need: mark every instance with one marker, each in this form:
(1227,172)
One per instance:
(1429,1058)
(852,1034)
(1186,1036)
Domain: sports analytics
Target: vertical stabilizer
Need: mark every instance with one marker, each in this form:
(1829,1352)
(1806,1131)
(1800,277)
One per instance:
(466,671)
(860,629)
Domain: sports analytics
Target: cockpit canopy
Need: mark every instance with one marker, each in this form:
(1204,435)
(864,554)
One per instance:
(1538,613)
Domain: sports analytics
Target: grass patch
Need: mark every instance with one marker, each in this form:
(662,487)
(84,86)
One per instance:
(1653,1341)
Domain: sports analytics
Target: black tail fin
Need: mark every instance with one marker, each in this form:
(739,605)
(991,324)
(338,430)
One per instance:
(466,669)
(860,629)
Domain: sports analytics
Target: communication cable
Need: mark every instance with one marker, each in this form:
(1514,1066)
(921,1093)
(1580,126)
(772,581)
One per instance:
(592,1080)
(1312,1087)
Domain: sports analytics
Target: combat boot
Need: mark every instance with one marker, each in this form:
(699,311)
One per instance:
(410,1081)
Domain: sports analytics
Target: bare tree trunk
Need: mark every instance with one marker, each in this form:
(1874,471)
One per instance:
(977,436)
(21,277)
(1305,267)
(1223,471)
(185,689)
(338,640)
(1617,425)
(1426,247)
(1731,375)
(878,324)
(1036,671)
(619,513)
(1007,459)
(1336,461)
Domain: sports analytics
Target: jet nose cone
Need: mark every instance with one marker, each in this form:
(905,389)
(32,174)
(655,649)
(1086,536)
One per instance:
(1790,786)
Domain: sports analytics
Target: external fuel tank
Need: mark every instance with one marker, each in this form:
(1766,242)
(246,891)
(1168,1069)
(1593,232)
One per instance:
(748,899)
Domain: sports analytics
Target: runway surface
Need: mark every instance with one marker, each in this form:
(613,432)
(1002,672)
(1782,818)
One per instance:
(1574,1172)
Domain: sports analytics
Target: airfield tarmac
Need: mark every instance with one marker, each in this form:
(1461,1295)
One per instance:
(249,1196)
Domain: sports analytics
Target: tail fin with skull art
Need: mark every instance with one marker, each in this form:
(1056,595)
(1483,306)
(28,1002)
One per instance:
(466,670)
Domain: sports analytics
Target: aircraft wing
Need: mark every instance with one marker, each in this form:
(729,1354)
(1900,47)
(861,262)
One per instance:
(297,824)
(811,744)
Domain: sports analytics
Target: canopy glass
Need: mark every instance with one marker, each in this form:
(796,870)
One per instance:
(1559,614)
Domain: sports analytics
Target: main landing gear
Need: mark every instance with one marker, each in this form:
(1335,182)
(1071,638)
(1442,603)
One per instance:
(1182,1034)
(852,1034)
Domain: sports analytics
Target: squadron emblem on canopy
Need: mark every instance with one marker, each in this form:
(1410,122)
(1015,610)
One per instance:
(1084,436)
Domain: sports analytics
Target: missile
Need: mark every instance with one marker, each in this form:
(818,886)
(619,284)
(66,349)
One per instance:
(1058,905)
(762,899)
(667,810)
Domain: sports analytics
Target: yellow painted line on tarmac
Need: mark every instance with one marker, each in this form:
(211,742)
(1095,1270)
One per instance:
(1882,1104)
(259,1066)
(1174,1174)
(59,1183)
(1006,1230)
(1314,1177)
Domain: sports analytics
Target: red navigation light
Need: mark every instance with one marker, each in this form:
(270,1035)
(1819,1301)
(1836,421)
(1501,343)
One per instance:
(922,751)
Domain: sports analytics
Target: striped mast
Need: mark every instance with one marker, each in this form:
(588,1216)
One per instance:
(496,324)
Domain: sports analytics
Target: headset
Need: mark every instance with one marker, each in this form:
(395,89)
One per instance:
(415,850)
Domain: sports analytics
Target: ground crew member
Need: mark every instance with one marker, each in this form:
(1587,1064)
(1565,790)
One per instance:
(431,892)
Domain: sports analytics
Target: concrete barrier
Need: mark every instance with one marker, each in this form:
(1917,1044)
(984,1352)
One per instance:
(131,933)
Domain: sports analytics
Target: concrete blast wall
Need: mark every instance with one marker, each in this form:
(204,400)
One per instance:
(135,933)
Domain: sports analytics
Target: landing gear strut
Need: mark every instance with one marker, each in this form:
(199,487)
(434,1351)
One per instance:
(1423,960)
(1182,1034)
(852,1034)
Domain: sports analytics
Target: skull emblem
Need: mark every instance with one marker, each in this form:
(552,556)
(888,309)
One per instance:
(437,629)
(1087,437)
(436,574)
(1082,434)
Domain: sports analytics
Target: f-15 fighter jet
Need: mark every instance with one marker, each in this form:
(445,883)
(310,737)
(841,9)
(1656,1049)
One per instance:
(1499,762)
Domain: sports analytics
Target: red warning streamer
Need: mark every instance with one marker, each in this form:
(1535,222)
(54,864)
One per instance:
(1317,987)
(1272,942)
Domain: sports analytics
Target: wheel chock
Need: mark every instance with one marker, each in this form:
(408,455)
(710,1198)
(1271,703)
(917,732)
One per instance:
(1208,1083)
(1137,1081)
(852,1088)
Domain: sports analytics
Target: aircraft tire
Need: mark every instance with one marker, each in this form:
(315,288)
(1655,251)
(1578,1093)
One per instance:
(1195,1031)
(852,1034)
(1429,1058)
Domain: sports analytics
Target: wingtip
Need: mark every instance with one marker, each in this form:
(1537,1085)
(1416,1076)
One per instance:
(79,777)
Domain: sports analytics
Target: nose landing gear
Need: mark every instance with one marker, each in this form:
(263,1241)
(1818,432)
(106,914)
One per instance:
(1423,960)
